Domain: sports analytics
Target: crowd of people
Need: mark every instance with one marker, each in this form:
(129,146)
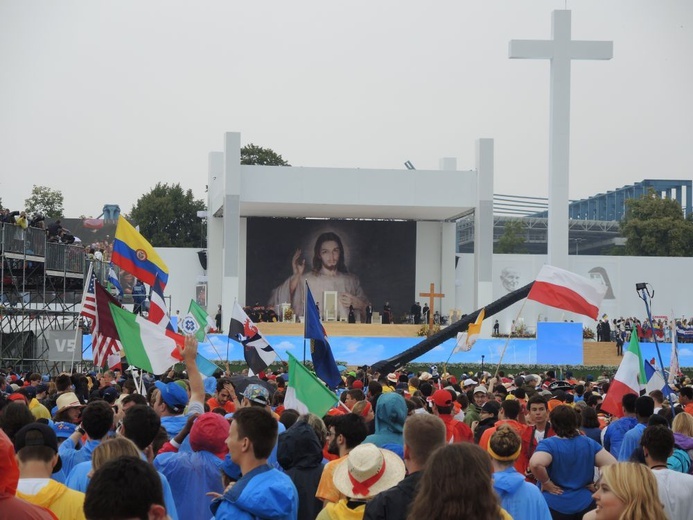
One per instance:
(399,445)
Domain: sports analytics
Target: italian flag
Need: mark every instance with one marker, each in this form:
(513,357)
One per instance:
(306,393)
(629,378)
(147,345)
(203,319)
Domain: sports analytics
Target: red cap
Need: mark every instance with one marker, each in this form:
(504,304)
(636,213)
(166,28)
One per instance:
(442,398)
(358,384)
(335,411)
(17,397)
(452,380)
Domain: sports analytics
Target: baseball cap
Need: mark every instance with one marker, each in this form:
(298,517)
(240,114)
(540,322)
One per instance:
(63,429)
(491,407)
(173,395)
(481,389)
(442,398)
(37,434)
(256,393)
(358,385)
(209,433)
(469,382)
(109,394)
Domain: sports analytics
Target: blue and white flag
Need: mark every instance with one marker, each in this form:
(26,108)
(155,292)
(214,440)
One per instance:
(655,381)
(113,280)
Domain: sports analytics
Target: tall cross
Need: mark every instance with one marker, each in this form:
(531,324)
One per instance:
(431,300)
(560,50)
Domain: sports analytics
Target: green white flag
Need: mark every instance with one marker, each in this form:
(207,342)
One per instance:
(305,392)
(202,318)
(147,345)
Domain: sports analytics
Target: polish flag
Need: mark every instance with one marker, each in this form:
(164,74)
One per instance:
(629,378)
(568,291)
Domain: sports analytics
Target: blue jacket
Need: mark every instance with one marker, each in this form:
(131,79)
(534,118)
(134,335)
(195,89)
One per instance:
(519,498)
(270,496)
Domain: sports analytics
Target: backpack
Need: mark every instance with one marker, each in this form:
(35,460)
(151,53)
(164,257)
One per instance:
(682,459)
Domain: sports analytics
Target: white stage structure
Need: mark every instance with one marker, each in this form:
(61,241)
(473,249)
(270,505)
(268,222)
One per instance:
(435,199)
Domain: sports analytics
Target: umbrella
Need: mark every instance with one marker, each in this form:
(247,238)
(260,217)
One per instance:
(240,383)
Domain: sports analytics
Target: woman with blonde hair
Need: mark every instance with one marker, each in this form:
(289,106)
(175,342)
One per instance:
(518,497)
(682,458)
(364,409)
(627,491)
(112,449)
(440,494)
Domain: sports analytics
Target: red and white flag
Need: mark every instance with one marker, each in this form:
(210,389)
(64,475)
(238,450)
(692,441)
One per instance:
(89,296)
(568,291)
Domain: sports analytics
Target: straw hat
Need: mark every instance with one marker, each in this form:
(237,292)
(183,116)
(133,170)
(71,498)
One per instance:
(68,400)
(367,471)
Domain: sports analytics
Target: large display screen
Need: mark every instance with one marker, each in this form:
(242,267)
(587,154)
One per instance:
(347,264)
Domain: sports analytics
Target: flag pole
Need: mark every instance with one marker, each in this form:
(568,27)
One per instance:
(305,321)
(84,293)
(507,340)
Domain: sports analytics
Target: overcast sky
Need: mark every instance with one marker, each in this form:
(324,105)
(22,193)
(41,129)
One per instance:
(104,99)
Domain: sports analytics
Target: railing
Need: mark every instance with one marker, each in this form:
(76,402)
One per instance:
(66,258)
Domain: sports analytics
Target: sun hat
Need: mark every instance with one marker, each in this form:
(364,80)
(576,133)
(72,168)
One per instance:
(425,376)
(68,400)
(37,434)
(368,471)
(209,433)
(256,394)
(173,395)
(392,377)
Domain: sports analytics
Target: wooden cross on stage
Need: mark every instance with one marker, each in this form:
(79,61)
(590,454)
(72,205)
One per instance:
(431,300)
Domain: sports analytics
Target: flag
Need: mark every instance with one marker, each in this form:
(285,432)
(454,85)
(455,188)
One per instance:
(105,342)
(157,305)
(89,296)
(306,393)
(568,291)
(466,341)
(674,361)
(257,351)
(628,379)
(132,252)
(113,280)
(147,346)
(323,360)
(204,320)
(655,381)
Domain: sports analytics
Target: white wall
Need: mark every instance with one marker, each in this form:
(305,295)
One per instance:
(184,271)
(669,277)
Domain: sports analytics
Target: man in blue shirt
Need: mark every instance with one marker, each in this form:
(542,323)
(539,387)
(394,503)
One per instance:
(644,408)
(613,437)
(97,420)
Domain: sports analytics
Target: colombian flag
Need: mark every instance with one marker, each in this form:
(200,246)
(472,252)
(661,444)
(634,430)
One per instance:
(134,254)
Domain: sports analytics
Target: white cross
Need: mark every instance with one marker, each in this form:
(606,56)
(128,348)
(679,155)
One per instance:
(560,50)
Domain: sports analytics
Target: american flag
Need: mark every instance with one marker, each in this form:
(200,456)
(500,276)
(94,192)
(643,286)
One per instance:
(105,342)
(89,297)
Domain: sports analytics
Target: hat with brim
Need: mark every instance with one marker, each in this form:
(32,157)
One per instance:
(68,400)
(368,471)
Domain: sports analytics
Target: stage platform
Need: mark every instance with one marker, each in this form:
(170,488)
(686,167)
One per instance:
(340,328)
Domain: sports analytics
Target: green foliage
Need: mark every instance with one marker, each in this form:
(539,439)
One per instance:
(167,217)
(252,154)
(654,226)
(46,201)
(512,240)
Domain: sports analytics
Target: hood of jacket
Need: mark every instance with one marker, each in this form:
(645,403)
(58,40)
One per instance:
(507,482)
(299,447)
(9,475)
(683,441)
(48,494)
(390,413)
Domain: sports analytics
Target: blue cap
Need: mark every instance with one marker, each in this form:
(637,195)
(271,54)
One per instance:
(173,395)
(109,394)
(63,429)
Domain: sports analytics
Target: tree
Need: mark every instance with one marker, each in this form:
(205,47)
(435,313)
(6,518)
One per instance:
(654,226)
(252,154)
(167,217)
(512,240)
(46,201)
